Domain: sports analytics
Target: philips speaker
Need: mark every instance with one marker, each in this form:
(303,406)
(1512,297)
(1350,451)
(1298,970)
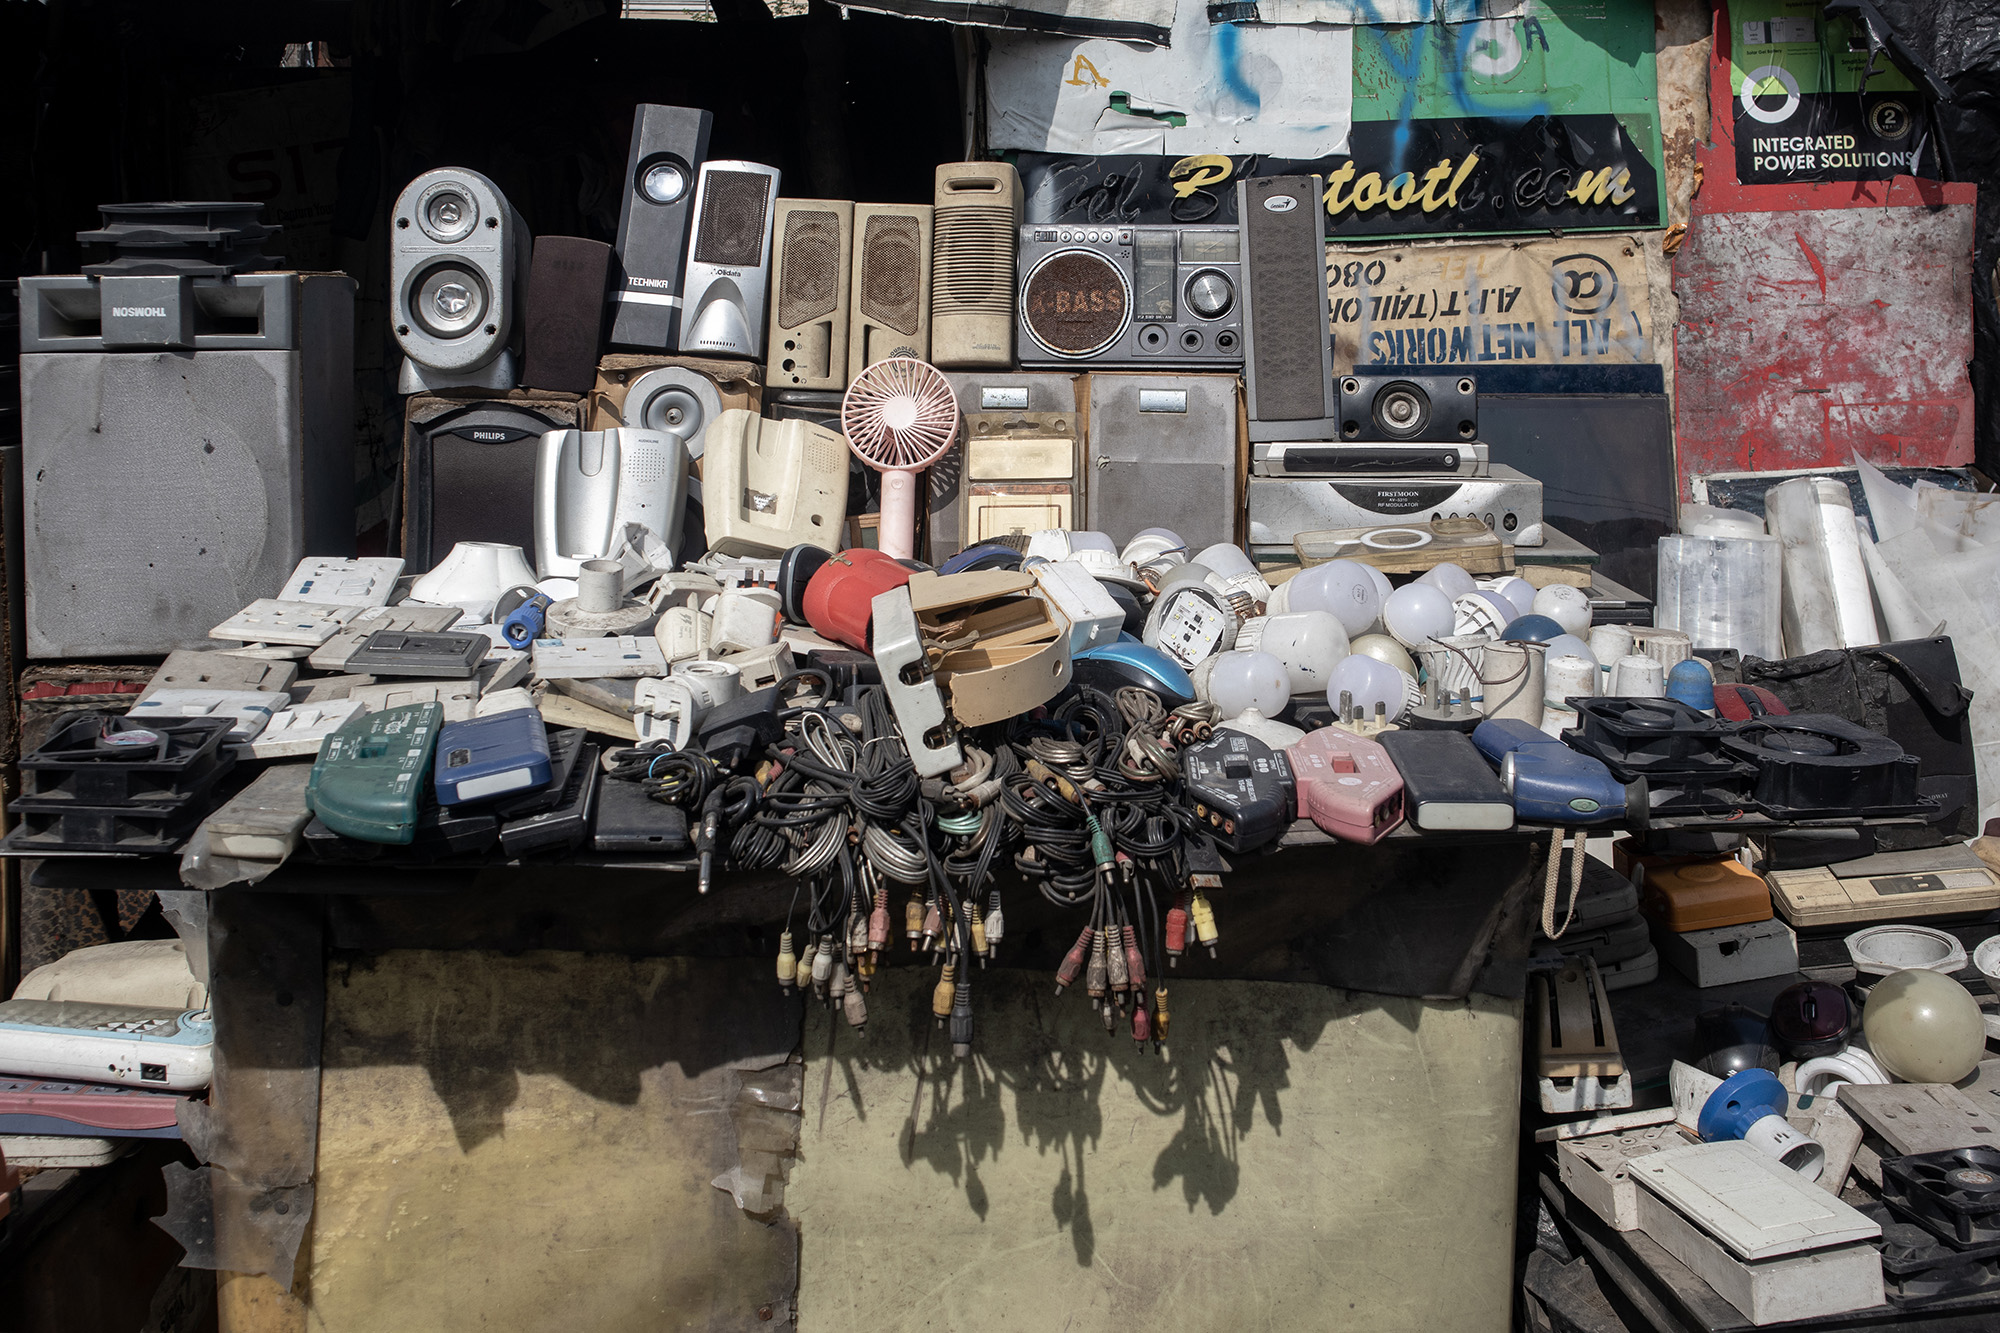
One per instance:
(669,144)
(729,260)
(809,281)
(469,472)
(566,282)
(590,483)
(458,275)
(165,487)
(975,220)
(1287,339)
(891,307)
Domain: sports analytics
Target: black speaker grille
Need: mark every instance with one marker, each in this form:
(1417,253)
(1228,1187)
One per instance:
(809,254)
(730,232)
(892,256)
(1284,263)
(1075,303)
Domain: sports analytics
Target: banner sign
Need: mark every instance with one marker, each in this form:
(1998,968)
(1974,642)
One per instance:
(1806,106)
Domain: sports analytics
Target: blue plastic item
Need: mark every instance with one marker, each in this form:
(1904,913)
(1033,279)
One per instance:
(491,756)
(524,623)
(989,555)
(1691,683)
(1741,1101)
(1531,629)
(1111,666)
(1549,782)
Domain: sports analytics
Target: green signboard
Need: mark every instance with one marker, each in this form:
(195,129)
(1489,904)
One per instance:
(1805,103)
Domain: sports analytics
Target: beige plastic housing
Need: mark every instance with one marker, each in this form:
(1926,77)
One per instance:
(767,486)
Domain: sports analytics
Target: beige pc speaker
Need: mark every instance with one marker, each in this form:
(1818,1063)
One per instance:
(810,279)
(976,221)
(890,314)
(768,486)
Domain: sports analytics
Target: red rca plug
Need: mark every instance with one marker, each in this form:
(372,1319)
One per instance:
(1072,962)
(1142,1025)
(878,922)
(1135,962)
(1177,929)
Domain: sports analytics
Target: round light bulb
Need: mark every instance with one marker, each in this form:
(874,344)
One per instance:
(1567,606)
(1385,649)
(1449,579)
(1342,588)
(1309,643)
(1226,560)
(1238,681)
(1417,613)
(1365,682)
(1520,593)
(1923,1027)
(1568,645)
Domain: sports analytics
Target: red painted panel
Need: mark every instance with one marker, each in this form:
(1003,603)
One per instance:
(1819,320)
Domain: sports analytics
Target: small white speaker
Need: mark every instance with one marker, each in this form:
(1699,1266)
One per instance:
(891,307)
(458,274)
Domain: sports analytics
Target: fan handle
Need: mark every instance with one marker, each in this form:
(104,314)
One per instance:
(897,533)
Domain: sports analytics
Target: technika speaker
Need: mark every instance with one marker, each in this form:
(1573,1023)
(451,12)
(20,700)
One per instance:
(1287,344)
(809,281)
(669,144)
(170,479)
(566,283)
(975,219)
(729,260)
(890,314)
(458,277)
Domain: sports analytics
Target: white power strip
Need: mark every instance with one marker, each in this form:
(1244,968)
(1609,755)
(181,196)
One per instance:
(252,710)
(364,581)
(590,659)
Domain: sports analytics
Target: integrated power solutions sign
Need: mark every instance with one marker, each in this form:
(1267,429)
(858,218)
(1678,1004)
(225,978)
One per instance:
(1809,107)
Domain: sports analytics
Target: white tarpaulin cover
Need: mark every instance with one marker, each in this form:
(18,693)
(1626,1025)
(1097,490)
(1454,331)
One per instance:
(1282,92)
(1384,11)
(1131,20)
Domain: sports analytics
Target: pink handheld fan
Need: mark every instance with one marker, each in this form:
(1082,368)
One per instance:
(899,417)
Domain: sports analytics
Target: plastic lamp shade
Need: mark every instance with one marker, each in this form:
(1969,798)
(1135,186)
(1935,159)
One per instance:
(1309,643)
(1568,645)
(1382,585)
(1367,682)
(1567,606)
(1090,541)
(1690,683)
(1340,587)
(1385,649)
(1923,1027)
(1532,629)
(1519,593)
(1241,681)
(1417,613)
(1449,579)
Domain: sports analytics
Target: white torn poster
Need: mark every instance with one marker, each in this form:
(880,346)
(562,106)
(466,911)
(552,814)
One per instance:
(1383,12)
(1220,88)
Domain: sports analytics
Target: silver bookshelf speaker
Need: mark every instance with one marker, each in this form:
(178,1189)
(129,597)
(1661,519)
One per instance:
(729,260)
(458,278)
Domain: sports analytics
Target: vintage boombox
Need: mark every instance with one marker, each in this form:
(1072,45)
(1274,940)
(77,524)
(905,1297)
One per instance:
(1155,298)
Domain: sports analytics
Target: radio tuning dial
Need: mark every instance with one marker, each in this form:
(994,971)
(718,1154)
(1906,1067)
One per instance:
(1210,294)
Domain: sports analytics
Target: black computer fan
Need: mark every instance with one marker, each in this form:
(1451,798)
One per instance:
(1954,1193)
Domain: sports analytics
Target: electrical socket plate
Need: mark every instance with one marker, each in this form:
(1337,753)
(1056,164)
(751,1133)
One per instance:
(364,581)
(620,658)
(458,697)
(251,709)
(196,669)
(411,616)
(268,620)
(298,730)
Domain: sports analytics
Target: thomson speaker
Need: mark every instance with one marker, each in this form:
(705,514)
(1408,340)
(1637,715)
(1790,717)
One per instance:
(891,305)
(458,276)
(1162,452)
(167,486)
(469,471)
(729,260)
(669,144)
(976,214)
(1388,409)
(1287,343)
(566,284)
(810,254)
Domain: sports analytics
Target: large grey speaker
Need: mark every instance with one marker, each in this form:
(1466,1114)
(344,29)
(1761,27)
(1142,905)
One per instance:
(167,487)
(1163,453)
(1287,337)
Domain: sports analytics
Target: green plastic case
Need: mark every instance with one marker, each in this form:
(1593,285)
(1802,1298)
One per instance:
(369,780)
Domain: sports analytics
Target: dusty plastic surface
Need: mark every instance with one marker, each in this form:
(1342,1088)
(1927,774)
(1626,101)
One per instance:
(148,972)
(266,818)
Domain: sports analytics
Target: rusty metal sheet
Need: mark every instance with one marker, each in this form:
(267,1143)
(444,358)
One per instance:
(1809,336)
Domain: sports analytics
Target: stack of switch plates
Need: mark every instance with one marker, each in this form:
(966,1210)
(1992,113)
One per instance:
(1598,1169)
(1772,1244)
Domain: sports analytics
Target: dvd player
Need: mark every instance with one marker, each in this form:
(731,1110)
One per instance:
(1322,458)
(1505,500)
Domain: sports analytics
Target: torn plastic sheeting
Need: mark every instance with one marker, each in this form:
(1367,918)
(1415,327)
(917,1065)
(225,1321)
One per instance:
(203,869)
(187,911)
(1124,20)
(1376,12)
(765,1120)
(264,1237)
(1895,509)
(1281,92)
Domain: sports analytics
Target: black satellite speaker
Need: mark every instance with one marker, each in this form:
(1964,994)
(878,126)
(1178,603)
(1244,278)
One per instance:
(1380,409)
(669,144)
(1287,340)
(469,472)
(566,283)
